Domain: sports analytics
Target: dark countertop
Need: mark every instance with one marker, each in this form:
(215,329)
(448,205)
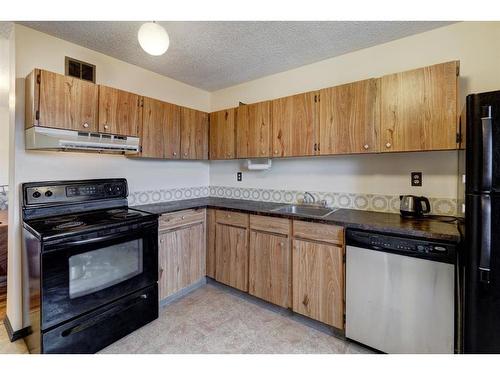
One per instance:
(355,219)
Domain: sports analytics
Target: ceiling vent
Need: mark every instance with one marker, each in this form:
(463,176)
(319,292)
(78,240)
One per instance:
(79,69)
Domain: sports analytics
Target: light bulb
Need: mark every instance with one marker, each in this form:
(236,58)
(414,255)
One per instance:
(153,38)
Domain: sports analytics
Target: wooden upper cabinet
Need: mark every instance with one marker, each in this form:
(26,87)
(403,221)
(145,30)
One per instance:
(160,135)
(222,134)
(194,134)
(349,118)
(119,111)
(253,130)
(419,109)
(57,101)
(295,123)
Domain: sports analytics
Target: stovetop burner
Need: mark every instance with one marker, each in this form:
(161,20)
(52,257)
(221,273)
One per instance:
(69,225)
(60,219)
(88,220)
(124,214)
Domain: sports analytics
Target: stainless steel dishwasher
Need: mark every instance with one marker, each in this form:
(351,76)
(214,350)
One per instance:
(400,293)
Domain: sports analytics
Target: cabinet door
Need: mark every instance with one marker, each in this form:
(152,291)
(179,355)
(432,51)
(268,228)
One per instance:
(419,109)
(211,243)
(222,134)
(349,119)
(253,130)
(231,256)
(181,258)
(160,130)
(269,267)
(119,111)
(66,102)
(295,122)
(318,281)
(194,134)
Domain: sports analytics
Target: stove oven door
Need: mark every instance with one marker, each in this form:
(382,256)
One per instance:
(88,271)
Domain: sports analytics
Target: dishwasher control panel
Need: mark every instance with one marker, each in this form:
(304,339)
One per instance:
(420,248)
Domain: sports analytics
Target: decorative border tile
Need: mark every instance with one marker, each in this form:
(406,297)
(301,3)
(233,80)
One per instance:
(4,197)
(366,202)
(166,195)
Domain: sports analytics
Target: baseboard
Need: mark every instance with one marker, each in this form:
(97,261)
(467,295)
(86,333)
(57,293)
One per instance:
(15,335)
(183,292)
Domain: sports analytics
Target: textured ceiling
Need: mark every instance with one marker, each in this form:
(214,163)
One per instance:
(215,55)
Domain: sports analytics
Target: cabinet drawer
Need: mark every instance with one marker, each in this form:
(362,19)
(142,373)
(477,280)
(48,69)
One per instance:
(270,224)
(319,232)
(180,218)
(237,219)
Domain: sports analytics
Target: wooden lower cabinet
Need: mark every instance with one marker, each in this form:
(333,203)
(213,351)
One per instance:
(231,249)
(269,267)
(210,243)
(181,257)
(318,281)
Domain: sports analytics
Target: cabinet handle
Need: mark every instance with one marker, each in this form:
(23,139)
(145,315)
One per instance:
(282,244)
(366,147)
(174,153)
(388,145)
(161,271)
(182,217)
(185,154)
(228,216)
(106,127)
(161,241)
(85,125)
(315,147)
(228,154)
(275,151)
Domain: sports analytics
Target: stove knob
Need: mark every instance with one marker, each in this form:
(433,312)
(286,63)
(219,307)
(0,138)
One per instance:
(36,194)
(48,193)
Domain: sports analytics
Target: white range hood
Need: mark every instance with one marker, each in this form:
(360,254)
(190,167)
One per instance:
(40,138)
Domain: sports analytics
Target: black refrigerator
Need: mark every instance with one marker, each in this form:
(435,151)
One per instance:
(481,255)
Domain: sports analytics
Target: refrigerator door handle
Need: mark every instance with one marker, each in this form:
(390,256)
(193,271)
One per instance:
(485,255)
(486,127)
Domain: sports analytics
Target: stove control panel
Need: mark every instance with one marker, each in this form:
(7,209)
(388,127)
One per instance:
(73,191)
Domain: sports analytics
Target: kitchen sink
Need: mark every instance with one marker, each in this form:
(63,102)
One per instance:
(313,211)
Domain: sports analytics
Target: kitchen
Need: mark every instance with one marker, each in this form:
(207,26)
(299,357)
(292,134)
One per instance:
(265,202)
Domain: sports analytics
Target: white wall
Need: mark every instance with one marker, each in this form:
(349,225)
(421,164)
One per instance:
(4,111)
(475,44)
(364,174)
(37,50)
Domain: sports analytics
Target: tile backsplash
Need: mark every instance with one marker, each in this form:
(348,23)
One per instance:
(166,195)
(4,197)
(367,202)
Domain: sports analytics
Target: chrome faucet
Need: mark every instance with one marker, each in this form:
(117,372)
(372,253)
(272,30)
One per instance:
(309,198)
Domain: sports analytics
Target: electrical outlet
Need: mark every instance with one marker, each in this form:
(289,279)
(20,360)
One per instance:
(416,178)
(239,176)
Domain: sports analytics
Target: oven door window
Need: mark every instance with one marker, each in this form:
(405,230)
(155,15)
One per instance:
(99,269)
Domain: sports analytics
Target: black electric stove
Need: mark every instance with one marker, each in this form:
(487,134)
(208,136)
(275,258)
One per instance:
(92,264)
(52,227)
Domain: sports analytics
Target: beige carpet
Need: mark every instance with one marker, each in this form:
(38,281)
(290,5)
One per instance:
(215,319)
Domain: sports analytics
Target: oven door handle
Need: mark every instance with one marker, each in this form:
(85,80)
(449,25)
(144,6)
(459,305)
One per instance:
(93,240)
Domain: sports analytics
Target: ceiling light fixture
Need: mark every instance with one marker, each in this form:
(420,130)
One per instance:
(153,38)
